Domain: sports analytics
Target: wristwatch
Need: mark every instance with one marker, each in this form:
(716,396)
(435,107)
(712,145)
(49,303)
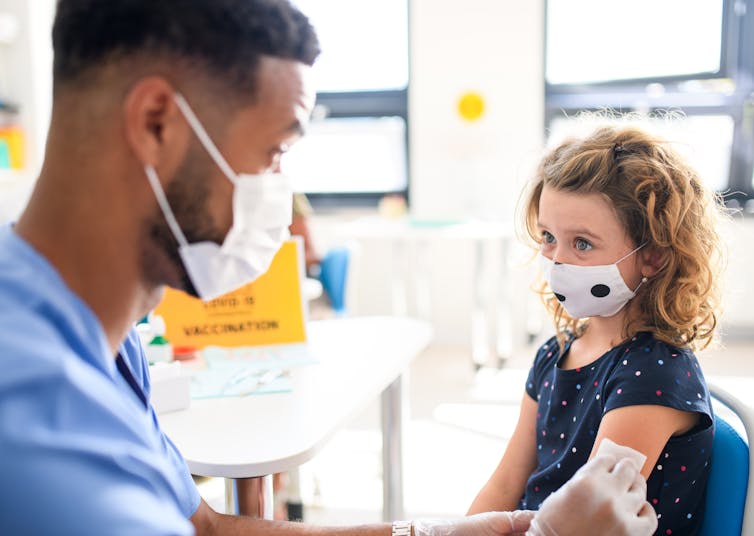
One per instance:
(401,528)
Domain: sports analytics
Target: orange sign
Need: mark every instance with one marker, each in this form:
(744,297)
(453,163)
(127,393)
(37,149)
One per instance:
(268,311)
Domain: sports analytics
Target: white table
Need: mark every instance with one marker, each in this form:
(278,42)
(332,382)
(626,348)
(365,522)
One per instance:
(255,436)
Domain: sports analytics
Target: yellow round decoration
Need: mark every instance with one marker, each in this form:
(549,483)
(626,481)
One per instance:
(471,106)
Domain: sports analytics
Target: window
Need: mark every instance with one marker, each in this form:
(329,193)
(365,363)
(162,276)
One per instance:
(356,155)
(605,40)
(691,56)
(357,145)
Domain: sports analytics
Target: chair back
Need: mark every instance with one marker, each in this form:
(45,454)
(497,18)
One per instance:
(729,489)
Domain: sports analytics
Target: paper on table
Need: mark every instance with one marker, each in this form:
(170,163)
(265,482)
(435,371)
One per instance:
(238,381)
(248,370)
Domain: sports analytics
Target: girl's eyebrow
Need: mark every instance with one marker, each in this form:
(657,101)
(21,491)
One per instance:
(585,232)
(580,231)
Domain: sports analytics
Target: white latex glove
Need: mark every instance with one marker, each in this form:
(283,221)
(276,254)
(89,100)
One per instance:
(486,524)
(607,496)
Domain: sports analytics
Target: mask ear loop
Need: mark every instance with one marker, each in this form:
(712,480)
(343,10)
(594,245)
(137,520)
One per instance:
(204,138)
(627,255)
(644,279)
(154,182)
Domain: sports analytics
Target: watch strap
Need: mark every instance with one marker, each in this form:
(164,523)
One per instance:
(401,528)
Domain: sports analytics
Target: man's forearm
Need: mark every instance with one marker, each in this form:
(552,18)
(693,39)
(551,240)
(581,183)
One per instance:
(207,522)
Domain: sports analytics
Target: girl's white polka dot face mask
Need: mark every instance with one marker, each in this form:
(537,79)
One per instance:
(586,291)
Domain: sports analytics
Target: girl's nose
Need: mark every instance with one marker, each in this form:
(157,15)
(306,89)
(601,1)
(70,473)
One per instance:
(558,256)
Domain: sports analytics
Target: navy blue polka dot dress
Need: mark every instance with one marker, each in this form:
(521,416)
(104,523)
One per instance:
(640,371)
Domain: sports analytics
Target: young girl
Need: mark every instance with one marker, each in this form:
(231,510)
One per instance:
(629,253)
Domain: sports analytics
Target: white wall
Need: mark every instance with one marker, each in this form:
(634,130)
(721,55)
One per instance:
(475,169)
(737,320)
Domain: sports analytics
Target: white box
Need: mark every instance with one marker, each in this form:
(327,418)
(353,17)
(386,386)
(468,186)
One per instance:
(171,387)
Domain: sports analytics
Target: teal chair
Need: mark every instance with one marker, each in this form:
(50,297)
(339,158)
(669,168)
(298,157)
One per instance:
(730,491)
(333,275)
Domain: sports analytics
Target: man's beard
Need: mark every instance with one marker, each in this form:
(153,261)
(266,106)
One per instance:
(188,197)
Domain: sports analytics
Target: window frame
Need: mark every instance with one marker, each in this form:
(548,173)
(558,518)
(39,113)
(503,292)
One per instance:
(362,104)
(366,104)
(736,64)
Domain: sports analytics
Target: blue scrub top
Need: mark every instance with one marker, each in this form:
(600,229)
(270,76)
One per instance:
(79,451)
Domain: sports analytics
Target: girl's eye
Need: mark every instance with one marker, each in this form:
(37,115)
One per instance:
(583,245)
(547,238)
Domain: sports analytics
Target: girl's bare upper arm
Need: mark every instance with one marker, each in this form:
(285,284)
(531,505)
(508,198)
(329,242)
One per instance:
(645,428)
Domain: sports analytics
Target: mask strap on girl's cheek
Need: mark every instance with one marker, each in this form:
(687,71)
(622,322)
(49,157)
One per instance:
(627,255)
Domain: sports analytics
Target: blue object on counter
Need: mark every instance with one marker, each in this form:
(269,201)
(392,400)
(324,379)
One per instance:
(4,155)
(333,274)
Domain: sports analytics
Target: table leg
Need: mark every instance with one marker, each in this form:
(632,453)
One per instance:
(506,338)
(392,451)
(230,496)
(250,497)
(480,337)
(422,281)
(399,293)
(293,505)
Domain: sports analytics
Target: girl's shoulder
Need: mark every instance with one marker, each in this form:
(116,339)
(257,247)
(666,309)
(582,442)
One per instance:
(646,370)
(550,349)
(646,343)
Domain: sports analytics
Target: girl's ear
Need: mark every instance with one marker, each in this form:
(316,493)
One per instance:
(654,259)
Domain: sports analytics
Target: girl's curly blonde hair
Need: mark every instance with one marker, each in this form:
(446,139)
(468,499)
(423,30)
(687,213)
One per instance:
(661,202)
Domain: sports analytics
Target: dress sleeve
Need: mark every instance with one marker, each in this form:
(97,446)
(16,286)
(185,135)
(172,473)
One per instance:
(655,373)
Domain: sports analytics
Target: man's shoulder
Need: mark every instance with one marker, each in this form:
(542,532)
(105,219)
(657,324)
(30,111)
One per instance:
(25,273)
(28,338)
(41,359)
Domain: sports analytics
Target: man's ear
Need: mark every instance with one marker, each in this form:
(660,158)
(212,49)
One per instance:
(154,127)
(654,259)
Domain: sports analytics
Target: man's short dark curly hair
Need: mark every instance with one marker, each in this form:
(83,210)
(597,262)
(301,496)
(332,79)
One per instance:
(222,38)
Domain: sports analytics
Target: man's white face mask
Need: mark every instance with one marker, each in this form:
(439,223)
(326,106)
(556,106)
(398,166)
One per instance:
(262,212)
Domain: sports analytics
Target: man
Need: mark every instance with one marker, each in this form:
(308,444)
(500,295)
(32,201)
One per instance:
(159,110)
